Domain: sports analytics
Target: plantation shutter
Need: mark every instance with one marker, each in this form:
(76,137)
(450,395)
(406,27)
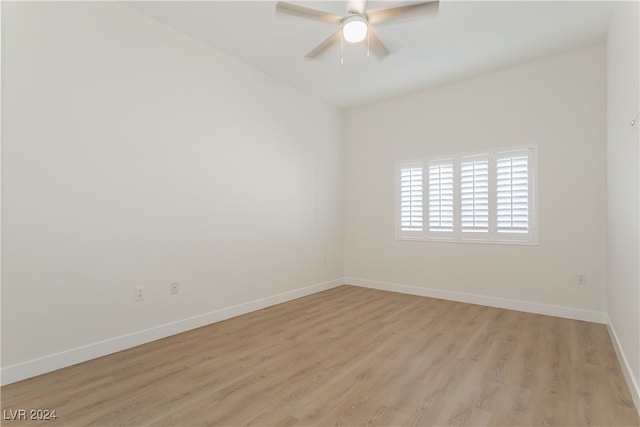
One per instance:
(411,191)
(487,197)
(474,194)
(513,191)
(441,195)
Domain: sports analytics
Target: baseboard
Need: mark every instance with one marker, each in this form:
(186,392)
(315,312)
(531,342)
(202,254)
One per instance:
(32,368)
(510,304)
(634,388)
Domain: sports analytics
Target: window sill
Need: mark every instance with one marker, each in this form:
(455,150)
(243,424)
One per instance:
(471,241)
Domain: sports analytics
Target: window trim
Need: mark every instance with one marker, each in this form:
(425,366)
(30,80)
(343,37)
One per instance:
(492,236)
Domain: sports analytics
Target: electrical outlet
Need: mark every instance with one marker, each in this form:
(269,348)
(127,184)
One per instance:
(582,279)
(139,293)
(175,288)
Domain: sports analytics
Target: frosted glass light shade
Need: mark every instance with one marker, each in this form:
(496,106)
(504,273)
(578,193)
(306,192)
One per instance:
(354,29)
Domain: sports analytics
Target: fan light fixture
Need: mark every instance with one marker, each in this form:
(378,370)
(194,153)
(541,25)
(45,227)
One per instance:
(358,23)
(354,29)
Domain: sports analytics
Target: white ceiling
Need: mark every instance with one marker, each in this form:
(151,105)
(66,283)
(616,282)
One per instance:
(466,39)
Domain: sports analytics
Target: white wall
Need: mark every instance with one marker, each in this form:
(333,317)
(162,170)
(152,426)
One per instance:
(136,156)
(623,184)
(557,103)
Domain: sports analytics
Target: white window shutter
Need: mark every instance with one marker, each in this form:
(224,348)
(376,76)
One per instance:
(474,194)
(441,195)
(513,191)
(488,197)
(411,194)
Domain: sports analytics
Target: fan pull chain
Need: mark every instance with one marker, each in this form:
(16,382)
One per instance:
(341,51)
(368,44)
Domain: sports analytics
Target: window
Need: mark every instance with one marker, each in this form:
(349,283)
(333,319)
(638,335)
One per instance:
(481,197)
(474,194)
(411,197)
(440,197)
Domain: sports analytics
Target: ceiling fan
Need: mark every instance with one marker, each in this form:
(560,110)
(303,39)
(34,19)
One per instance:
(357,24)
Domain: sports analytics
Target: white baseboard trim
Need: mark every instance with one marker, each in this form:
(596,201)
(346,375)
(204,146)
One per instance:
(510,304)
(634,388)
(32,368)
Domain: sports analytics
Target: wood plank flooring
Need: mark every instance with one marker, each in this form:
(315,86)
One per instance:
(348,356)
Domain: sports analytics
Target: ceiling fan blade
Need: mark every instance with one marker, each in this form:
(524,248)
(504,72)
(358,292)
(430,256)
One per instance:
(306,12)
(326,44)
(376,46)
(356,6)
(411,11)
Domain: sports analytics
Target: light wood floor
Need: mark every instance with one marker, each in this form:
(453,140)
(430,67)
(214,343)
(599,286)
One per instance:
(349,356)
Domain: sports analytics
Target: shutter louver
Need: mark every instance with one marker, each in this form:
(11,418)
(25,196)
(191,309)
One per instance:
(441,195)
(411,180)
(474,195)
(512,192)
